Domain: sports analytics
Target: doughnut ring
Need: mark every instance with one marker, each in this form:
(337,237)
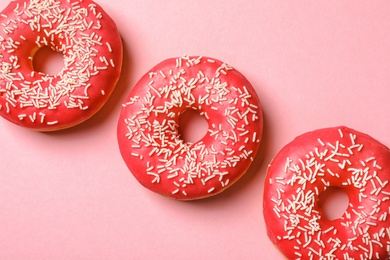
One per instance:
(332,157)
(148,135)
(92,50)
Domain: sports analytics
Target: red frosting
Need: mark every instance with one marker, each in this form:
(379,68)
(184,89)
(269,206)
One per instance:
(92,50)
(148,128)
(303,169)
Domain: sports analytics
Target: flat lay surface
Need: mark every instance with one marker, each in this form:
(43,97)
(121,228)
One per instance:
(69,195)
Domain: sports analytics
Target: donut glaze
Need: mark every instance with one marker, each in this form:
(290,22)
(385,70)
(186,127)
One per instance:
(148,135)
(92,49)
(332,157)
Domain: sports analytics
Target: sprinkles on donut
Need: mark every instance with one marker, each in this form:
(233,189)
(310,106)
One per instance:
(331,157)
(148,134)
(92,49)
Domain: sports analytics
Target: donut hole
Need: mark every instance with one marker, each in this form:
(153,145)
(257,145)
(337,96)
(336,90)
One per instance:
(192,126)
(48,61)
(333,202)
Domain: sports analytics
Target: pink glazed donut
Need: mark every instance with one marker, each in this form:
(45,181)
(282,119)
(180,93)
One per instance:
(332,157)
(148,135)
(92,49)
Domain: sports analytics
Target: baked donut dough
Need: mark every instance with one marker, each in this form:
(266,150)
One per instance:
(148,134)
(92,49)
(332,157)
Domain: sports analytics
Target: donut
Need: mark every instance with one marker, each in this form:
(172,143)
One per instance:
(337,157)
(148,127)
(91,47)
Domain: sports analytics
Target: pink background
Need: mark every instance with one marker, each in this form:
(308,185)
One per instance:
(69,195)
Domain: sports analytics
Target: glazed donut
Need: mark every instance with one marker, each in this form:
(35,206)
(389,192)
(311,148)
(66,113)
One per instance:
(149,139)
(337,157)
(92,50)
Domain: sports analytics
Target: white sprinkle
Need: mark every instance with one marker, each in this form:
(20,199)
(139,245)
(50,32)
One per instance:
(321,142)
(109,46)
(341,133)
(52,122)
